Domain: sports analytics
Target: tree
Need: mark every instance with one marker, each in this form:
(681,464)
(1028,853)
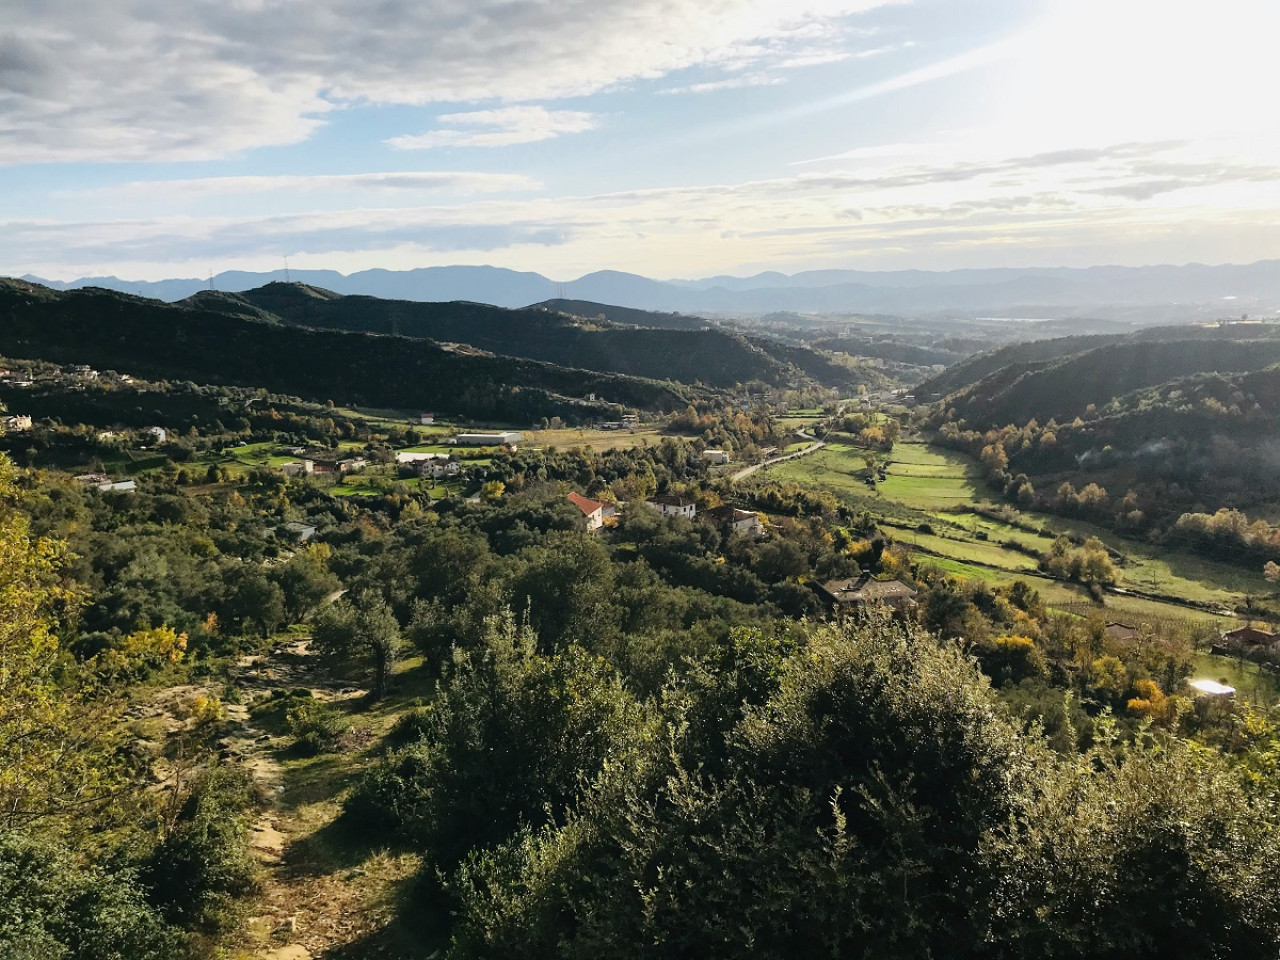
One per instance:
(50,760)
(364,634)
(1271,570)
(257,602)
(305,581)
(512,737)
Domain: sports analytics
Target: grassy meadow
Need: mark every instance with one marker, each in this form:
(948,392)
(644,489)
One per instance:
(927,500)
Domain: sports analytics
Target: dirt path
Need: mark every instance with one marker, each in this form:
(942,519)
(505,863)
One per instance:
(748,471)
(313,899)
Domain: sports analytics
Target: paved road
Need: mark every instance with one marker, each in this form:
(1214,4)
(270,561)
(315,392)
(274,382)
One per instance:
(748,471)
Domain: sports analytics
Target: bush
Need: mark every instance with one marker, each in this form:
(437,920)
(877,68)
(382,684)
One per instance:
(317,727)
(196,873)
(54,908)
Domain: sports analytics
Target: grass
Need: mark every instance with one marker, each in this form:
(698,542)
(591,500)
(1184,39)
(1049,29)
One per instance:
(958,568)
(933,485)
(973,551)
(1250,680)
(597,440)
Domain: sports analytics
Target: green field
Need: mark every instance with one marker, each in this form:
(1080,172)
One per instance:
(936,486)
(1250,680)
(972,551)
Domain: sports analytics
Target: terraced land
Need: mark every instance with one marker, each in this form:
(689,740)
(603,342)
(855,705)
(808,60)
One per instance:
(928,499)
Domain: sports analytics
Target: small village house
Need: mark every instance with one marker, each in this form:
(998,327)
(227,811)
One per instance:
(1250,643)
(671,505)
(351,465)
(437,469)
(745,522)
(863,591)
(715,457)
(298,468)
(302,532)
(593,510)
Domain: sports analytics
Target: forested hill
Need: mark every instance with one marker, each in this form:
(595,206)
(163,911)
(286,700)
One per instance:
(1067,388)
(103,328)
(628,316)
(982,365)
(893,350)
(708,356)
(975,368)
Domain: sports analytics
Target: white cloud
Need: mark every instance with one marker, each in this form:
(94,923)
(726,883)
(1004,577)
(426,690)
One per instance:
(502,127)
(1138,202)
(154,79)
(728,83)
(467,182)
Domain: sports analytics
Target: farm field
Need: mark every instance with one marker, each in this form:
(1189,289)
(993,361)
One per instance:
(597,440)
(973,551)
(935,486)
(1250,680)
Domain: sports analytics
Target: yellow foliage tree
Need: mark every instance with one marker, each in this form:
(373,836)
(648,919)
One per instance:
(51,761)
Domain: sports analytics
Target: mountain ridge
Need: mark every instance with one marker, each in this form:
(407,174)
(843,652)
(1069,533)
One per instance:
(1171,292)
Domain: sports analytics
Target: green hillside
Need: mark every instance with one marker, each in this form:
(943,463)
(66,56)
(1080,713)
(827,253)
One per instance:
(975,368)
(1068,387)
(708,356)
(108,329)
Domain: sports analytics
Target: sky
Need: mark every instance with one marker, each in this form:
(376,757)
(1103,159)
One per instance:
(149,139)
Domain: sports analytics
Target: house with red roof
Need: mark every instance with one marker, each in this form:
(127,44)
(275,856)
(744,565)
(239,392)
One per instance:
(593,510)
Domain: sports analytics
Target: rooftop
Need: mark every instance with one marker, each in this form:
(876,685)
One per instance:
(671,500)
(865,590)
(586,504)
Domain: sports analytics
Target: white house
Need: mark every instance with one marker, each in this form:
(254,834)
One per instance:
(298,468)
(745,522)
(715,457)
(426,419)
(488,439)
(17,424)
(159,433)
(593,510)
(351,465)
(437,469)
(669,505)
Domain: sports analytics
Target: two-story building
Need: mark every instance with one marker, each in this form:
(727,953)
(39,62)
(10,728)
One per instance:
(671,505)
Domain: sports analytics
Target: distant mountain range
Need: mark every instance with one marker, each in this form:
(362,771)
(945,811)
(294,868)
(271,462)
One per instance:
(1138,294)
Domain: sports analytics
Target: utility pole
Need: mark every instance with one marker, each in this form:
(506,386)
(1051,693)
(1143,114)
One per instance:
(286,271)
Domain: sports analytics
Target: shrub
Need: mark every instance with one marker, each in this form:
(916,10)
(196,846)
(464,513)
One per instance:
(317,727)
(54,907)
(202,865)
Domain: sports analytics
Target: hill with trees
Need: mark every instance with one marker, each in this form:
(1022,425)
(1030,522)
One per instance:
(1072,384)
(628,316)
(689,354)
(106,329)
(973,369)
